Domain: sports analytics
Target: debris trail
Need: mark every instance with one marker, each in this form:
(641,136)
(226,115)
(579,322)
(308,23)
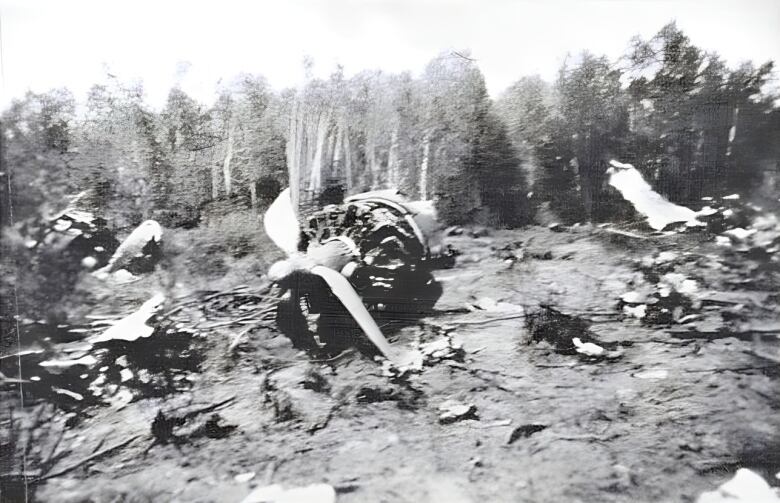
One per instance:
(93,457)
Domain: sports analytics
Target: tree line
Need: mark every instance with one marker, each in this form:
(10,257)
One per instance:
(693,126)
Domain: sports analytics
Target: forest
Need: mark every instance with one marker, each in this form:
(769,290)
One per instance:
(693,126)
(565,324)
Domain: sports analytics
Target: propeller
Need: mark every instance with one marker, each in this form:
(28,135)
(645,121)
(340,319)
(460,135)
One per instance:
(326,261)
(281,223)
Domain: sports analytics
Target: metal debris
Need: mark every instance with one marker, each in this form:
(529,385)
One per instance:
(315,493)
(453,411)
(244,477)
(654,374)
(745,487)
(659,211)
(133,326)
(137,253)
(587,348)
(525,431)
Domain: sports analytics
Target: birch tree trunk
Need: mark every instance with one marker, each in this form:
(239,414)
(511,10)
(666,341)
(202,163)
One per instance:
(330,154)
(337,152)
(309,126)
(732,131)
(371,160)
(294,155)
(393,161)
(347,162)
(374,167)
(315,182)
(424,167)
(216,175)
(228,157)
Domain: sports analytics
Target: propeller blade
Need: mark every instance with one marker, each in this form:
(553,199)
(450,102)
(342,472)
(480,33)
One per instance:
(281,223)
(346,294)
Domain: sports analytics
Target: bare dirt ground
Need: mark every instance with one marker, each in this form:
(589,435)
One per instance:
(670,413)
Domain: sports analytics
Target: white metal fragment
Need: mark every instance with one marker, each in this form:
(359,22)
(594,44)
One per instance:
(75,396)
(739,233)
(131,247)
(85,360)
(652,374)
(244,477)
(453,410)
(745,487)
(658,210)
(125,375)
(315,493)
(133,326)
(637,312)
(722,241)
(587,348)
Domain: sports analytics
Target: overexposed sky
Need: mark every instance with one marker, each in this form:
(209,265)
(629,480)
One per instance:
(74,43)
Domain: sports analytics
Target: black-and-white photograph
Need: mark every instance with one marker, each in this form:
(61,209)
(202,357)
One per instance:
(421,251)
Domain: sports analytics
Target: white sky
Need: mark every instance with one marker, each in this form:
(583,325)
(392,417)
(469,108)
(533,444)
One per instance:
(50,43)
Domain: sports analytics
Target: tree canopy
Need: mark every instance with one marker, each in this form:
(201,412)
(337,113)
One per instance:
(692,125)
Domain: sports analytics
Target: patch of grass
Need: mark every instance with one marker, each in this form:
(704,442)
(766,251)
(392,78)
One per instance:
(233,248)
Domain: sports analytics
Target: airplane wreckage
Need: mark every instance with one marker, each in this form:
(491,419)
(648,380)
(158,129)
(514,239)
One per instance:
(357,267)
(369,257)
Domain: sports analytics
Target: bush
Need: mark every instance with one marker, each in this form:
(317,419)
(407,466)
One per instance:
(234,242)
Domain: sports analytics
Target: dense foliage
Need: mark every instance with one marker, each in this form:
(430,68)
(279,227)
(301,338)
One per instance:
(693,126)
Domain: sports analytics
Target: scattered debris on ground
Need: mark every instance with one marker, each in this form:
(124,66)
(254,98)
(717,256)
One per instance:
(567,334)
(244,409)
